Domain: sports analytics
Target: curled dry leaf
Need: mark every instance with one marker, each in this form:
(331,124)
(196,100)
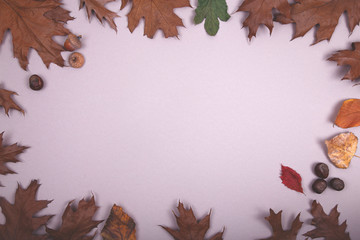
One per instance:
(158,14)
(190,228)
(76,224)
(278,231)
(327,226)
(9,154)
(349,114)
(211,11)
(21,222)
(33,24)
(260,12)
(341,149)
(6,101)
(350,58)
(291,179)
(101,12)
(307,14)
(119,226)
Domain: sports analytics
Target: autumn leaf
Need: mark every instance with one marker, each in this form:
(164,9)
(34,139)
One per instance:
(123,4)
(307,14)
(291,179)
(101,12)
(30,28)
(327,226)
(21,222)
(350,58)
(260,12)
(158,14)
(349,114)
(9,154)
(119,226)
(76,224)
(189,227)
(6,101)
(341,149)
(58,14)
(278,231)
(211,10)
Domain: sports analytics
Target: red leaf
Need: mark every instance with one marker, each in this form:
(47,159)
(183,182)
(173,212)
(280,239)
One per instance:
(291,179)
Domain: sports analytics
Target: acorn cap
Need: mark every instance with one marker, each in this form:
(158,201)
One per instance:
(72,42)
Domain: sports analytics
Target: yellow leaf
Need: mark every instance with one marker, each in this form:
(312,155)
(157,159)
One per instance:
(341,149)
(119,226)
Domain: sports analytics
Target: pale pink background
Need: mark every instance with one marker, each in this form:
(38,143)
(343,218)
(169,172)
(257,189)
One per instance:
(205,120)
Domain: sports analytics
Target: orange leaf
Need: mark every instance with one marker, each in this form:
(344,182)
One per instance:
(158,14)
(119,226)
(349,114)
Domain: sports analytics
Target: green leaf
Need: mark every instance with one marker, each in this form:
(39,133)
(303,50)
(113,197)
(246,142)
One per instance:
(211,10)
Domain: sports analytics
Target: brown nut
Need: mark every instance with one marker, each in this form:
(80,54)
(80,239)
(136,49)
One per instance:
(76,60)
(35,82)
(72,42)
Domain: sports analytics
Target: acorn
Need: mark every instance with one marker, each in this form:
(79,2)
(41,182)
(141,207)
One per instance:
(72,42)
(35,82)
(76,60)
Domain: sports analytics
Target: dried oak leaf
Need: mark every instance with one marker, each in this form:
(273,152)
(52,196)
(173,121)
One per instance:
(307,14)
(327,226)
(351,58)
(341,149)
(158,14)
(349,114)
(59,14)
(30,28)
(101,12)
(278,232)
(9,154)
(119,226)
(211,10)
(21,222)
(190,228)
(76,224)
(260,12)
(6,101)
(291,179)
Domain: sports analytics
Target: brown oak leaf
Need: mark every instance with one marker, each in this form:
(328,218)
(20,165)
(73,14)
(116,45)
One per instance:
(59,14)
(327,226)
(123,4)
(350,58)
(21,222)
(76,224)
(119,226)
(307,14)
(101,12)
(6,101)
(158,14)
(278,232)
(190,228)
(349,114)
(8,154)
(31,29)
(260,12)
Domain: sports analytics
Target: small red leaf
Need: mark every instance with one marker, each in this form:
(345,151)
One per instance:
(291,179)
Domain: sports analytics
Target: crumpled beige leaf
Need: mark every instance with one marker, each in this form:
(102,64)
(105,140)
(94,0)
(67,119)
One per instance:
(341,149)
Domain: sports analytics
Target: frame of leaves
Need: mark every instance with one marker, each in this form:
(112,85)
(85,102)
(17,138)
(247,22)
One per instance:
(78,223)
